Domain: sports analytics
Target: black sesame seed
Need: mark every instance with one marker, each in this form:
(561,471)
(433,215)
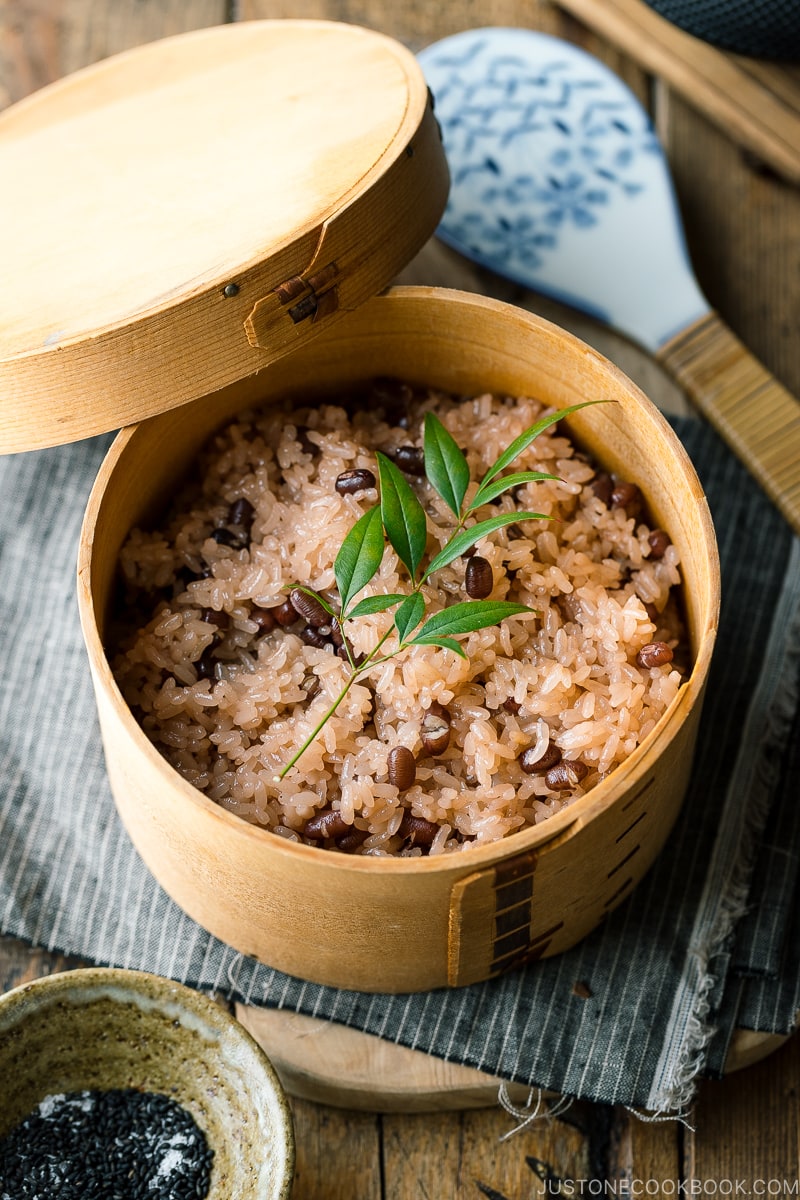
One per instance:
(123,1143)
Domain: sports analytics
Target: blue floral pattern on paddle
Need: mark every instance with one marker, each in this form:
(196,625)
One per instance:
(532,149)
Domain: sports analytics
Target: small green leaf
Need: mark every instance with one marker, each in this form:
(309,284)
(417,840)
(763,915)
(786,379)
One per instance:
(466,618)
(402,514)
(468,537)
(488,491)
(446,642)
(375,604)
(359,556)
(409,615)
(445,465)
(524,440)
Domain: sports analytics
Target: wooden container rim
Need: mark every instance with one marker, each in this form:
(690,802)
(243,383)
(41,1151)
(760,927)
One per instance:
(221,272)
(146,298)
(558,827)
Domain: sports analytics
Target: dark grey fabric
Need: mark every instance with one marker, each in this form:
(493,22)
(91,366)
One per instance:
(759,28)
(663,970)
(762,931)
(773,1002)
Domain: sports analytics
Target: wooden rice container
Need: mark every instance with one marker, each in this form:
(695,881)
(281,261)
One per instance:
(408,924)
(260,182)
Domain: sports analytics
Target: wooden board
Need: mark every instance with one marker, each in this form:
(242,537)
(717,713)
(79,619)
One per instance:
(332,1064)
(756,103)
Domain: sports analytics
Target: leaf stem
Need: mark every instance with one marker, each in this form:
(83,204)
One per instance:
(369,660)
(357,673)
(324,720)
(400,516)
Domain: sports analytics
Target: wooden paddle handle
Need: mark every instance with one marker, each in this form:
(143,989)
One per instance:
(755,415)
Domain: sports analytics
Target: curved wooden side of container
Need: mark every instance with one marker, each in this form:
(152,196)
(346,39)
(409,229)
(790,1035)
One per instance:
(404,925)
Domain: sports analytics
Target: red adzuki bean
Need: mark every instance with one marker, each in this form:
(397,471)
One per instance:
(566,775)
(285,614)
(540,766)
(435,731)
(402,768)
(326,824)
(417,830)
(659,542)
(654,654)
(357,480)
(309,607)
(478,578)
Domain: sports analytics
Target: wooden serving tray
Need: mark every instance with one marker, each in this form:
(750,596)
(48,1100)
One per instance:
(332,1064)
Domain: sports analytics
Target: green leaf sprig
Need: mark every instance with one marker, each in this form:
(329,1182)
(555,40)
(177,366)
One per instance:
(400,518)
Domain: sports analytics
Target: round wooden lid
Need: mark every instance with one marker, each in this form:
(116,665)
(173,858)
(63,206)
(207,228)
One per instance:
(178,216)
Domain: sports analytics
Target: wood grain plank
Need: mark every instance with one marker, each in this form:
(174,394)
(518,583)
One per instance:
(417,24)
(782,79)
(747,1128)
(338,1154)
(21,963)
(762,117)
(333,1064)
(437,1157)
(743,235)
(414,22)
(640,1151)
(41,40)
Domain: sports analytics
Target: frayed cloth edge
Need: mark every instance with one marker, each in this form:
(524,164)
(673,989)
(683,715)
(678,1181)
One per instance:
(675,1092)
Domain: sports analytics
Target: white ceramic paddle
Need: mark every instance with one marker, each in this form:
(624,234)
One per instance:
(560,183)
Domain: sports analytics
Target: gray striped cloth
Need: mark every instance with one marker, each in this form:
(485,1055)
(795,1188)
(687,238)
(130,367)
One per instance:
(709,942)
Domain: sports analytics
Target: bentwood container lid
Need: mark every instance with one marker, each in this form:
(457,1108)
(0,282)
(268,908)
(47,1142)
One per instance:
(178,216)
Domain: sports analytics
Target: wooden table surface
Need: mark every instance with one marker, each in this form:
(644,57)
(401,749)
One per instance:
(742,214)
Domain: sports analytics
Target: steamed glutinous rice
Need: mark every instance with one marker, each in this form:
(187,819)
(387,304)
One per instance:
(228,694)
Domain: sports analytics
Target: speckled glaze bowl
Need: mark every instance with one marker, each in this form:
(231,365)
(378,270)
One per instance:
(103,1028)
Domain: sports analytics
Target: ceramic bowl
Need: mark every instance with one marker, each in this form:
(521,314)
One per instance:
(103,1028)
